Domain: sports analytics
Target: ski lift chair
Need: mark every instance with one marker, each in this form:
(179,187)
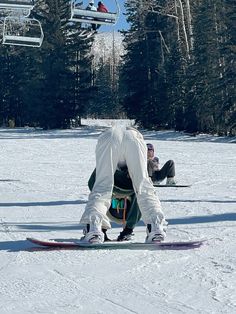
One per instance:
(81,15)
(17,4)
(20,31)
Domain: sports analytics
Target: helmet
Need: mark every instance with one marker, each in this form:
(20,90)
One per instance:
(150,146)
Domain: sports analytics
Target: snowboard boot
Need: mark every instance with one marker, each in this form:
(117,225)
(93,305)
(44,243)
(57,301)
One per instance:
(155,233)
(157,182)
(125,235)
(170,181)
(93,232)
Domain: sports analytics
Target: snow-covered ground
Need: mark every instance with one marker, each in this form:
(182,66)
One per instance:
(43,189)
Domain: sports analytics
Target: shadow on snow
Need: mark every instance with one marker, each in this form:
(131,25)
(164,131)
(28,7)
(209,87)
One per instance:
(29,134)
(50,203)
(198,201)
(68,226)
(202,219)
(77,202)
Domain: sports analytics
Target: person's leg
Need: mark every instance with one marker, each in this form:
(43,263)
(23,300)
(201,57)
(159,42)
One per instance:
(134,214)
(135,151)
(171,173)
(167,171)
(107,156)
(133,217)
(91,180)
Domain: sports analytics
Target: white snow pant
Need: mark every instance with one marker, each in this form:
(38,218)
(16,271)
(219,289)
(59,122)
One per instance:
(122,144)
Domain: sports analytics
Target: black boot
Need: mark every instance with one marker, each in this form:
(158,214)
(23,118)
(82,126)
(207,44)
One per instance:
(125,235)
(106,239)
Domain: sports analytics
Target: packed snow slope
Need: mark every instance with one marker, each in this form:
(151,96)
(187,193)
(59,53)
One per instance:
(43,189)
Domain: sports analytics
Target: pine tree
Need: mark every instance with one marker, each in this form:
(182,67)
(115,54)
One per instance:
(141,69)
(106,50)
(12,85)
(51,85)
(228,63)
(53,104)
(208,100)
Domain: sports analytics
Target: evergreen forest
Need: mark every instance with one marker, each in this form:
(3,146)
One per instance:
(177,70)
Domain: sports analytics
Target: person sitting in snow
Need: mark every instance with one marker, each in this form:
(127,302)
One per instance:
(158,174)
(116,148)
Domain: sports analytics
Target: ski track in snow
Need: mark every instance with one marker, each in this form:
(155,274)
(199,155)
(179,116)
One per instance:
(43,188)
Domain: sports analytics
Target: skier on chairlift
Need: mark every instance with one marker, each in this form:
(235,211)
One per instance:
(101,7)
(91,7)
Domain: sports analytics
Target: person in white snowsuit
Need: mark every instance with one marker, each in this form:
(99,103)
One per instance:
(91,7)
(115,147)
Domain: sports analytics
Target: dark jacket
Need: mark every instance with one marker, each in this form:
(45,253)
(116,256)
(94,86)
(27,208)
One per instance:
(123,188)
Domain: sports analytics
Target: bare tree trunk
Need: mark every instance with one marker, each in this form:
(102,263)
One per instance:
(189,23)
(177,21)
(185,37)
(113,64)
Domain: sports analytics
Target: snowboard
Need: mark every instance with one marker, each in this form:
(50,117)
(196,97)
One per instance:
(171,185)
(77,244)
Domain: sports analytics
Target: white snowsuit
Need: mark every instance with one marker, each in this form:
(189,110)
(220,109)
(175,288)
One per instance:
(115,146)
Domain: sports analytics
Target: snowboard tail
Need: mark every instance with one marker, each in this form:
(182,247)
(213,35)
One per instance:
(63,244)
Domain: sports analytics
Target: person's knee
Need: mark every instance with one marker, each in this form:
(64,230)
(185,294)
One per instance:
(171,162)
